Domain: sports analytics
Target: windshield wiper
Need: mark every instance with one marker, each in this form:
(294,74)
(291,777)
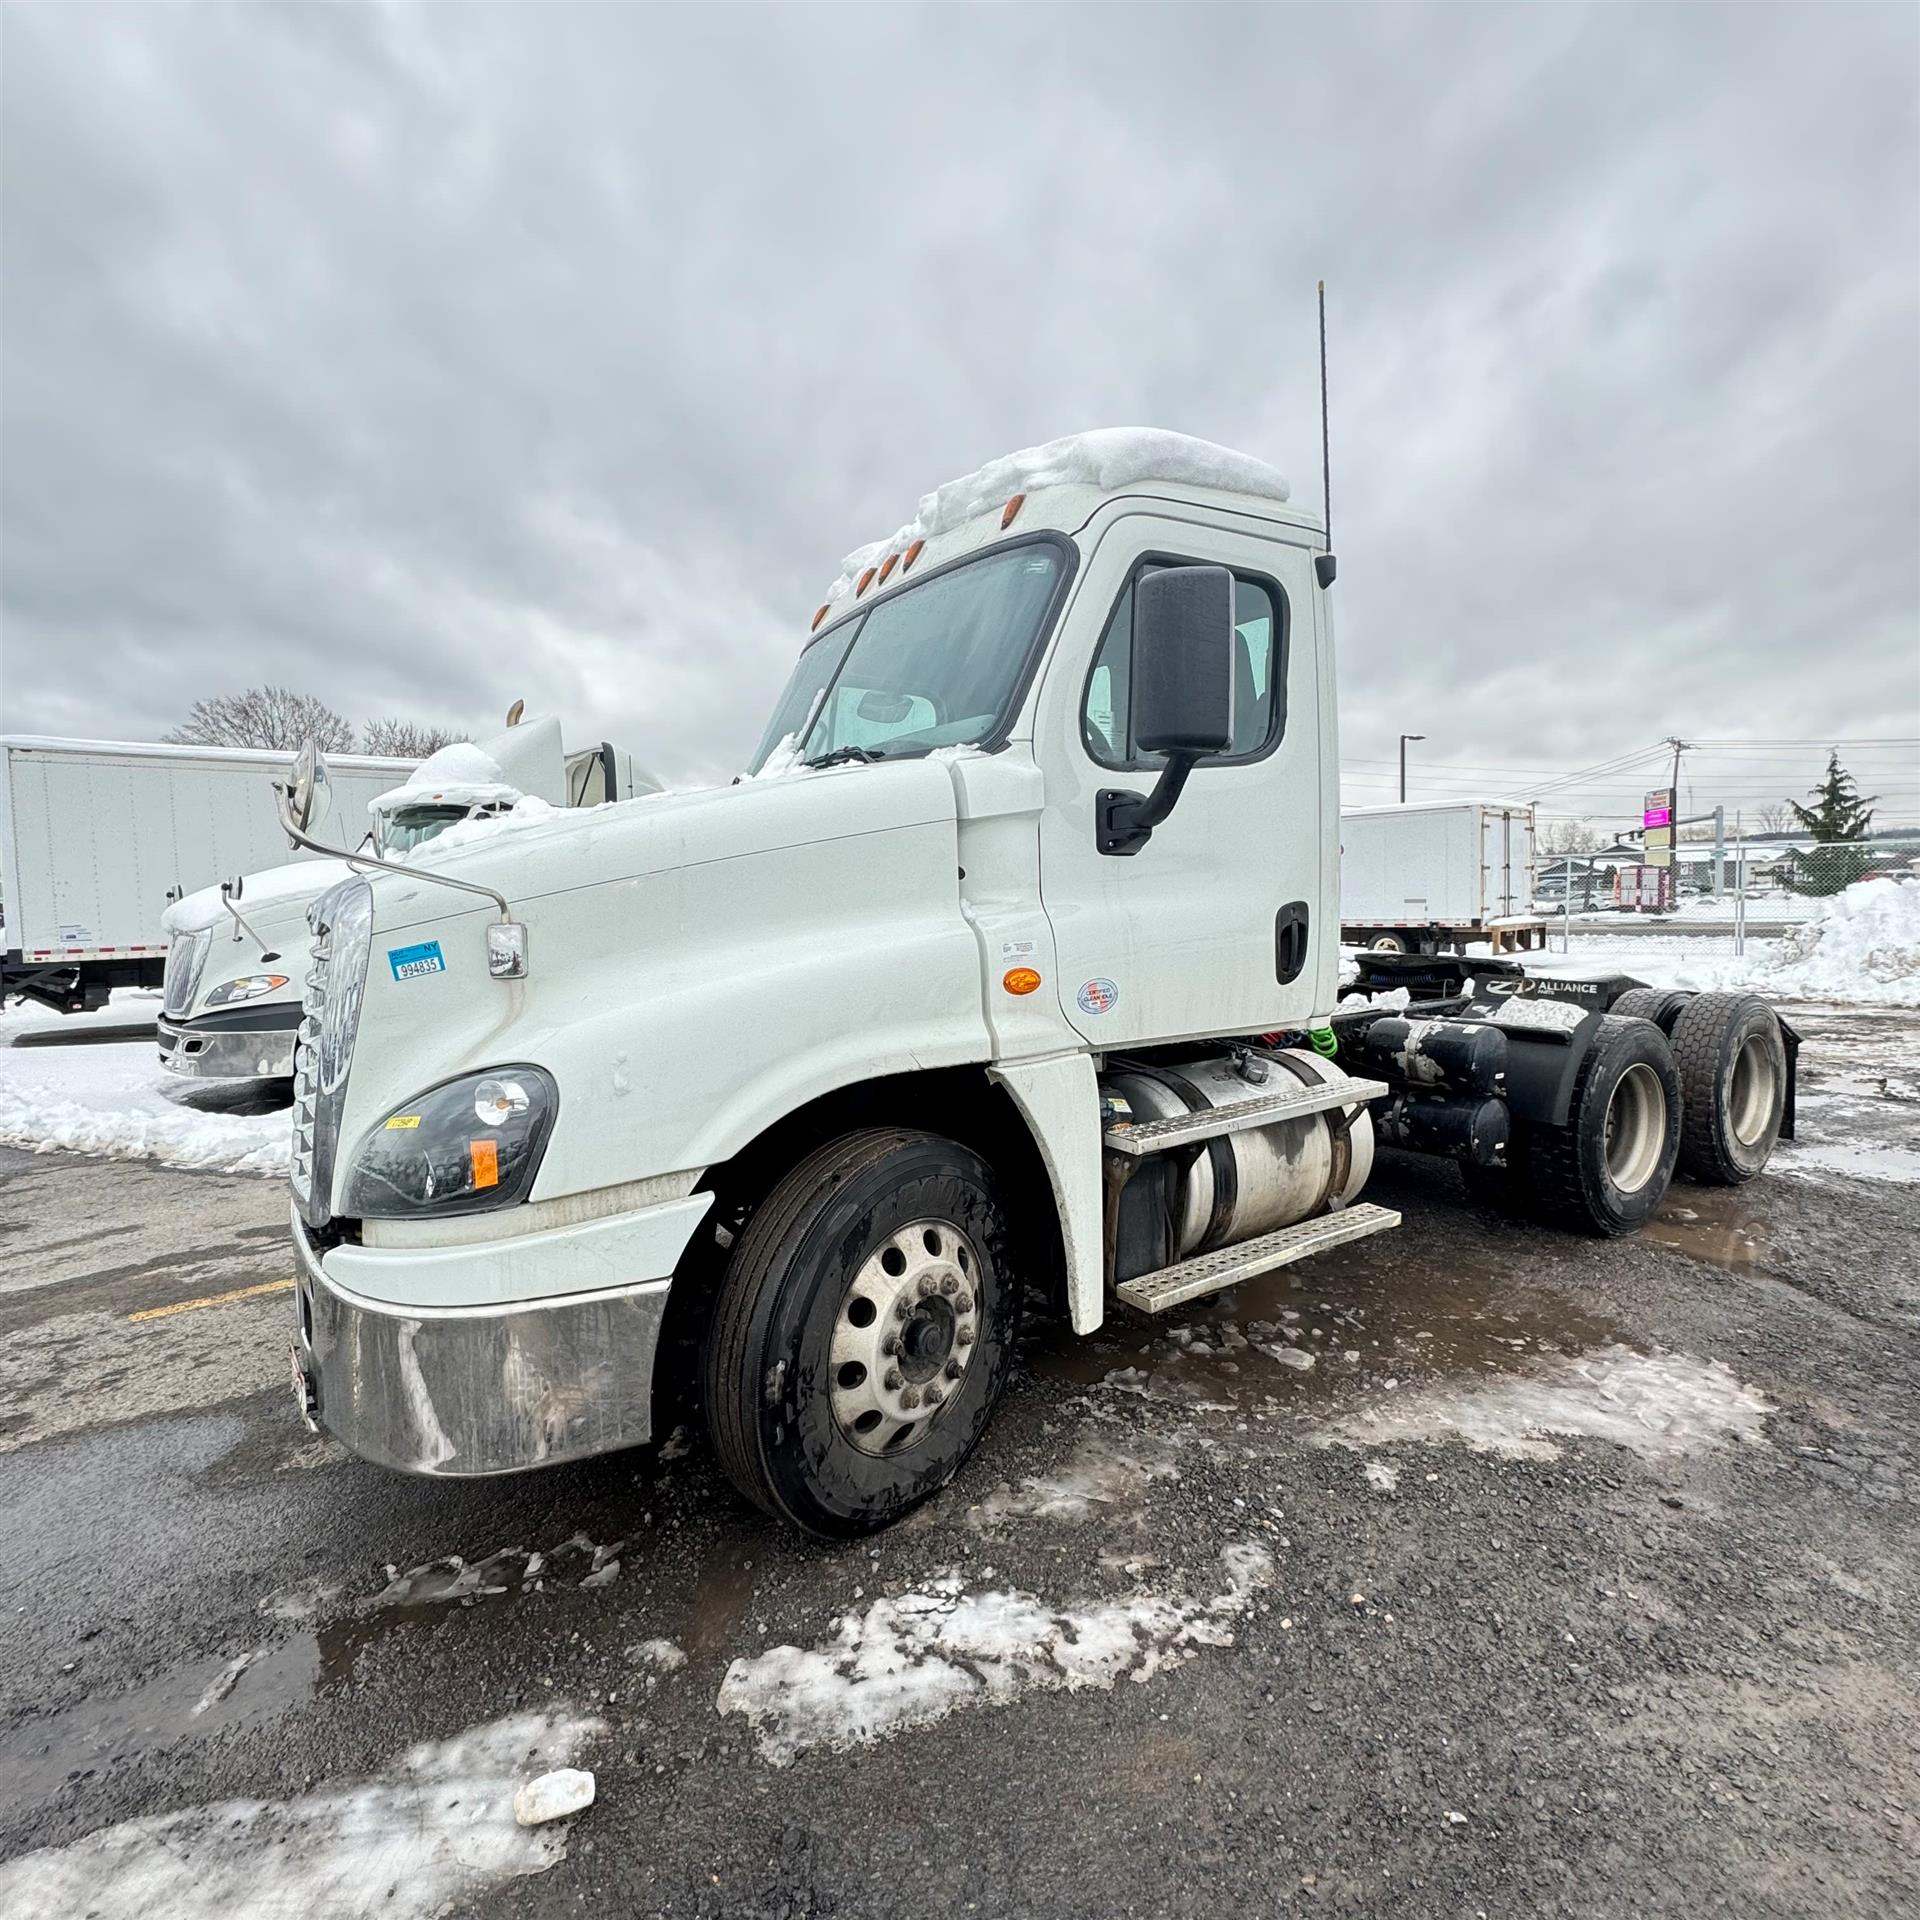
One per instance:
(839,754)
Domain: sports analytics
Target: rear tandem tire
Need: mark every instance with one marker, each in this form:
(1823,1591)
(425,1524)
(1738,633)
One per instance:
(1606,1171)
(1733,1078)
(862,1242)
(1661,1005)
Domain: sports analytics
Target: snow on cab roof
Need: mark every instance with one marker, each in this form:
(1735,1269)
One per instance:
(1105,458)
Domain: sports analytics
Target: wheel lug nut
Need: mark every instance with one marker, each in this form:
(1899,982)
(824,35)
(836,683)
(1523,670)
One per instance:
(964,1337)
(901,1311)
(953,1369)
(928,1285)
(911,1398)
(890,1345)
(934,1396)
(964,1304)
(894,1381)
(948,1284)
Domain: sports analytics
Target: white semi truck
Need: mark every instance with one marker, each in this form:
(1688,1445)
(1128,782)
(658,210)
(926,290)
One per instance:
(789,1091)
(230,1003)
(1430,875)
(97,837)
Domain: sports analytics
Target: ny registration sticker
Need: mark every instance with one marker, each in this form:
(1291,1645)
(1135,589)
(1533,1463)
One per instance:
(409,963)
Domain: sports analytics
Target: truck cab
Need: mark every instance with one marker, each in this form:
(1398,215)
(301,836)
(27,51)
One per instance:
(1011,962)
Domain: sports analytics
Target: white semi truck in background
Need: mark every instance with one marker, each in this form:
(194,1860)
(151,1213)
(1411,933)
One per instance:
(97,837)
(784,1095)
(230,1003)
(1437,875)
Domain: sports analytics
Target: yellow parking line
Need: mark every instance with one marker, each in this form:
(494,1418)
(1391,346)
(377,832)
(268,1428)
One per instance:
(212,1300)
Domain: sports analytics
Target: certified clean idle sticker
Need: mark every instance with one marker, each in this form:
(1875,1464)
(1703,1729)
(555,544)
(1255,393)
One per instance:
(1097,996)
(409,963)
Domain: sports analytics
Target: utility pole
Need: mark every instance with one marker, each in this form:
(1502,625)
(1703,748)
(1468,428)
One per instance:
(1404,738)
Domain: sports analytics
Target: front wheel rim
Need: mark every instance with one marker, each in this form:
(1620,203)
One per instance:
(1636,1127)
(905,1337)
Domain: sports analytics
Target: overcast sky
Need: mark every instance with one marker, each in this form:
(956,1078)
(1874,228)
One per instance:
(428,357)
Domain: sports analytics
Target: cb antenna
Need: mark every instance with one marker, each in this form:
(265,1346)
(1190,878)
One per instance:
(1324,563)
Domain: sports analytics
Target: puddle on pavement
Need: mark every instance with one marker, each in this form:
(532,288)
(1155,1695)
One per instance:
(205,1697)
(1295,1339)
(1714,1224)
(721,1594)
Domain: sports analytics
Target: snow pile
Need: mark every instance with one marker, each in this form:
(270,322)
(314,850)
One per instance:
(458,775)
(1107,458)
(528,811)
(1867,936)
(271,887)
(118,1101)
(433,1831)
(1653,1404)
(1092,1484)
(913,1658)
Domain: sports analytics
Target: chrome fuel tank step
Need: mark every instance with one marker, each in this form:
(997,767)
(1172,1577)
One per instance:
(1213,1272)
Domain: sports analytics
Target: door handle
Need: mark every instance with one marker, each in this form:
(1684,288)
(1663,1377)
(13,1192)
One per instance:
(1290,926)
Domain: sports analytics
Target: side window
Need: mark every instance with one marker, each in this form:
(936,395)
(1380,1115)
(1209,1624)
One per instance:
(1260,673)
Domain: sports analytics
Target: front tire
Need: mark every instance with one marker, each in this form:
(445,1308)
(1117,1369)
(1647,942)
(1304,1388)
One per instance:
(864,1331)
(1606,1171)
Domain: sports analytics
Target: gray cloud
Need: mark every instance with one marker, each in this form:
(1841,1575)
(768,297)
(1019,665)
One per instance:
(425,357)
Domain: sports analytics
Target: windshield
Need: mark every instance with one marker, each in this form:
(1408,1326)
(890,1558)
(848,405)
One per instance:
(400,832)
(933,666)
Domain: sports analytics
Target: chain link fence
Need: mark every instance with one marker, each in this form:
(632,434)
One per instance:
(1724,901)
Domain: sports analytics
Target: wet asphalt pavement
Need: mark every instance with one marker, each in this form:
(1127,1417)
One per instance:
(1470,1569)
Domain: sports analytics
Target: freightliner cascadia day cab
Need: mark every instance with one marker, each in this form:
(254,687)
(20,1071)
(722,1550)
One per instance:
(236,954)
(1013,964)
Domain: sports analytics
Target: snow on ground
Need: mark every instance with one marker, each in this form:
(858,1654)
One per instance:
(1860,948)
(914,1657)
(1850,1160)
(1656,1405)
(434,1830)
(118,1101)
(1094,1483)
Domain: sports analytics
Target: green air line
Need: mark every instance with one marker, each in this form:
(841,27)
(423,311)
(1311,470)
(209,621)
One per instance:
(1325,1041)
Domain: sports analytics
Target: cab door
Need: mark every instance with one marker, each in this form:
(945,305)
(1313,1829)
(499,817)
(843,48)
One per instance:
(1214,926)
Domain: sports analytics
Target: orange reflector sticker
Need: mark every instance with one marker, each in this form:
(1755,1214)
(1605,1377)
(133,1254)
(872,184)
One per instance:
(1012,507)
(1019,979)
(913,554)
(821,615)
(866,580)
(485,1155)
(887,566)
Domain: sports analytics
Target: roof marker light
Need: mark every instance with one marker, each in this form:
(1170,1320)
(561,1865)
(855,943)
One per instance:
(887,566)
(913,554)
(821,615)
(1009,510)
(866,580)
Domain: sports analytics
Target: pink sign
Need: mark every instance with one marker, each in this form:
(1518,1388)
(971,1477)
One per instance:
(1658,811)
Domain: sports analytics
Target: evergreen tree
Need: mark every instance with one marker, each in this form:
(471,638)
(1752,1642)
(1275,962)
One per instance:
(1838,819)
(1839,813)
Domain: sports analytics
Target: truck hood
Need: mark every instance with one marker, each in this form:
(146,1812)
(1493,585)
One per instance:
(275,894)
(537,850)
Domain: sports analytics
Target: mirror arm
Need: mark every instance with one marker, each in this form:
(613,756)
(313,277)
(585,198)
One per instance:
(226,900)
(363,861)
(1124,820)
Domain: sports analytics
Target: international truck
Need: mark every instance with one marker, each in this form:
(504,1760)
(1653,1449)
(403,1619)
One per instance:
(1011,966)
(1437,876)
(97,837)
(230,1000)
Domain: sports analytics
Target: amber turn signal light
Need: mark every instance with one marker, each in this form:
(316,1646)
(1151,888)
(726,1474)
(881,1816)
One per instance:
(1018,980)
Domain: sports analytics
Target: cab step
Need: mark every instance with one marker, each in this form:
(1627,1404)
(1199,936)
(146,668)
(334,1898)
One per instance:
(1226,1267)
(1209,1123)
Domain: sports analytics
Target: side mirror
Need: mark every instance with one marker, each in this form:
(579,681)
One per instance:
(1182,694)
(306,798)
(1183,643)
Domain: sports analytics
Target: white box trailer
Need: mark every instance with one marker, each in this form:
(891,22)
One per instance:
(1432,875)
(98,836)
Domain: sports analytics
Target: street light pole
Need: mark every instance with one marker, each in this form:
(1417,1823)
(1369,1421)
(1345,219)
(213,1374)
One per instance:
(1404,738)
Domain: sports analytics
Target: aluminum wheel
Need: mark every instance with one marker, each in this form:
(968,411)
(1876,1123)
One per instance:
(1636,1128)
(905,1336)
(1752,1093)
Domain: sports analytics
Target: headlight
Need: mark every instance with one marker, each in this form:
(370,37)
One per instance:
(467,1146)
(250,986)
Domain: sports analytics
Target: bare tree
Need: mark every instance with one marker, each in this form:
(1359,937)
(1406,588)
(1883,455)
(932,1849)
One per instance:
(1568,836)
(1771,818)
(406,739)
(273,717)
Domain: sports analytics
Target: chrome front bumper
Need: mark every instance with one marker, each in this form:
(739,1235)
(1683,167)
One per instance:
(265,1055)
(467,1390)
